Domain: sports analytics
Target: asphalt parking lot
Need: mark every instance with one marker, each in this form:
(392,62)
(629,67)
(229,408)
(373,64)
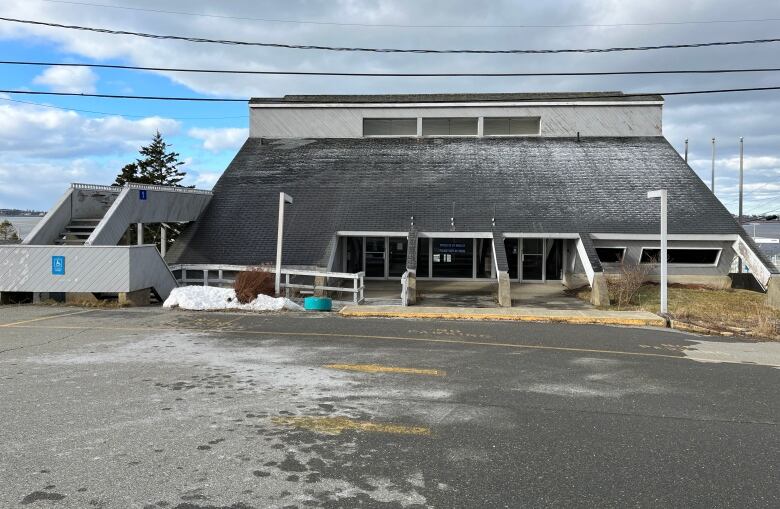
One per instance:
(153,408)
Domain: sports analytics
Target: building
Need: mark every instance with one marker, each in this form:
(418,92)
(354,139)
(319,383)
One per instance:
(488,190)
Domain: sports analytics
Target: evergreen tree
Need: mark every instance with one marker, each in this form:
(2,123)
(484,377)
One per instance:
(8,234)
(158,165)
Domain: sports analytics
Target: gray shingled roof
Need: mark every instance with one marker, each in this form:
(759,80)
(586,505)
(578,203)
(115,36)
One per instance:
(474,97)
(375,184)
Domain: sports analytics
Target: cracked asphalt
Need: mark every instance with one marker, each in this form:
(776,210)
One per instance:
(152,408)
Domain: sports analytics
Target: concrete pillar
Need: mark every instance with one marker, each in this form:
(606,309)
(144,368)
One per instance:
(599,294)
(319,281)
(135,298)
(140,234)
(773,292)
(411,288)
(504,290)
(163,240)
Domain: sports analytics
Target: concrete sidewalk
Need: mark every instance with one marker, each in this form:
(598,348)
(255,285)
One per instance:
(521,314)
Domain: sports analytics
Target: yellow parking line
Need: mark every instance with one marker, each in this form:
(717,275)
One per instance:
(50,317)
(362,336)
(376,368)
(335,425)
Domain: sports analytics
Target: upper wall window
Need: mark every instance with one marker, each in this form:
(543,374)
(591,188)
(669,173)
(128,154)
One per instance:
(511,126)
(682,256)
(611,254)
(449,127)
(389,127)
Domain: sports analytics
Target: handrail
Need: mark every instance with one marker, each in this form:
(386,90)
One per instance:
(133,185)
(95,187)
(357,289)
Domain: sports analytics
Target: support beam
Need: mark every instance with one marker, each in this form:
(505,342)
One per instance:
(411,268)
(504,290)
(140,234)
(136,298)
(163,240)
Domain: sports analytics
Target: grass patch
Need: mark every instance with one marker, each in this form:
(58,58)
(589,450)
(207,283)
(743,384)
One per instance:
(738,311)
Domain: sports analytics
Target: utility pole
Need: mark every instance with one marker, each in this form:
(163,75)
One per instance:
(741,186)
(712,186)
(686,150)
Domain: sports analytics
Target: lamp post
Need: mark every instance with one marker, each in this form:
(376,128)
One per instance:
(283,198)
(661,193)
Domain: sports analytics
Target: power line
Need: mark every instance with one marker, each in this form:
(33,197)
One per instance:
(63,108)
(392,74)
(546,98)
(391,50)
(396,25)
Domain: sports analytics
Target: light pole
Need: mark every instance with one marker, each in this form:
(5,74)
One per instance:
(661,193)
(283,198)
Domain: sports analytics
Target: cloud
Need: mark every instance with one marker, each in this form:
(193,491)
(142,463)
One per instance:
(36,131)
(698,118)
(217,139)
(68,79)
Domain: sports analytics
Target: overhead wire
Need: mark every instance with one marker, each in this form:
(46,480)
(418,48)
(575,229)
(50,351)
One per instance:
(391,74)
(399,25)
(390,50)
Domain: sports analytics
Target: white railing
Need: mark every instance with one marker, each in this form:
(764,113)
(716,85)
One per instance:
(151,187)
(357,288)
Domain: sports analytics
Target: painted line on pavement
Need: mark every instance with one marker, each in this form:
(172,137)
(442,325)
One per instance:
(377,368)
(50,317)
(336,425)
(370,337)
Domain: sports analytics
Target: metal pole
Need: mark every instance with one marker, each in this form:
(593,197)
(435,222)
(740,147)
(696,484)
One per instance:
(663,195)
(741,186)
(140,234)
(278,276)
(163,240)
(664,307)
(686,150)
(712,187)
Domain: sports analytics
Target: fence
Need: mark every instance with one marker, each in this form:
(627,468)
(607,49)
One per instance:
(221,275)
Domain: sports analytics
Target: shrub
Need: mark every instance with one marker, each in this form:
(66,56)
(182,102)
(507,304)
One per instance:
(251,283)
(624,288)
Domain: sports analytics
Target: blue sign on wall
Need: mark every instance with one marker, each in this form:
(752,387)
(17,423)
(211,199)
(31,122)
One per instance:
(142,194)
(58,265)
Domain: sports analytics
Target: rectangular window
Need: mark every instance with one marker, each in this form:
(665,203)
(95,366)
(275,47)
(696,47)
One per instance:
(682,256)
(511,126)
(453,258)
(449,127)
(389,127)
(611,254)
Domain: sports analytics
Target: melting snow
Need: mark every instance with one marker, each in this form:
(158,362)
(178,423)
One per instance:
(209,298)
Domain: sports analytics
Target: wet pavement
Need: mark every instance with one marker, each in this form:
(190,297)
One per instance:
(160,409)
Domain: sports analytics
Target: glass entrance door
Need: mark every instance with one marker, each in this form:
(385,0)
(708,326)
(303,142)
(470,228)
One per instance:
(375,257)
(532,259)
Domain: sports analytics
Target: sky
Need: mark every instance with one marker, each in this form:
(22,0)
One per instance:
(48,142)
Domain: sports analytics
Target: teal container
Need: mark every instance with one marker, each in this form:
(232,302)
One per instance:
(317,304)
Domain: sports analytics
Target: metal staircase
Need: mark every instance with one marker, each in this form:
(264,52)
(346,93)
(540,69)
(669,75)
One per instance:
(76,232)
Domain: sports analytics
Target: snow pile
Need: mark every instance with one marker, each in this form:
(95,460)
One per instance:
(206,298)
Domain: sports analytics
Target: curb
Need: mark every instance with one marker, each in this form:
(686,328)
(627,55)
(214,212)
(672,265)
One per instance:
(698,329)
(580,320)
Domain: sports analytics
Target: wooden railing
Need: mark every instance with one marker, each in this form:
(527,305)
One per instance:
(225,275)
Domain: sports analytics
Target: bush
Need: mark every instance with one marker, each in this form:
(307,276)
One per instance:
(251,283)
(623,289)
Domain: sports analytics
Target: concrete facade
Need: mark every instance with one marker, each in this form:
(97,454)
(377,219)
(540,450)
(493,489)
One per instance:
(346,121)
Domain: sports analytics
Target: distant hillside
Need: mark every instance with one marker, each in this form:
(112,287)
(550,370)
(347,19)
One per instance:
(21,213)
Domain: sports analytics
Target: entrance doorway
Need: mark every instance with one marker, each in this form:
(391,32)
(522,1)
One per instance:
(534,259)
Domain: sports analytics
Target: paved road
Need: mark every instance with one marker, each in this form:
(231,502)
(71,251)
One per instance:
(161,409)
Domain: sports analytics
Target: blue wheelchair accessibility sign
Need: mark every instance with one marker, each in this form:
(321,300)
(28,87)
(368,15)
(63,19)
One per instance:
(58,265)
(142,194)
